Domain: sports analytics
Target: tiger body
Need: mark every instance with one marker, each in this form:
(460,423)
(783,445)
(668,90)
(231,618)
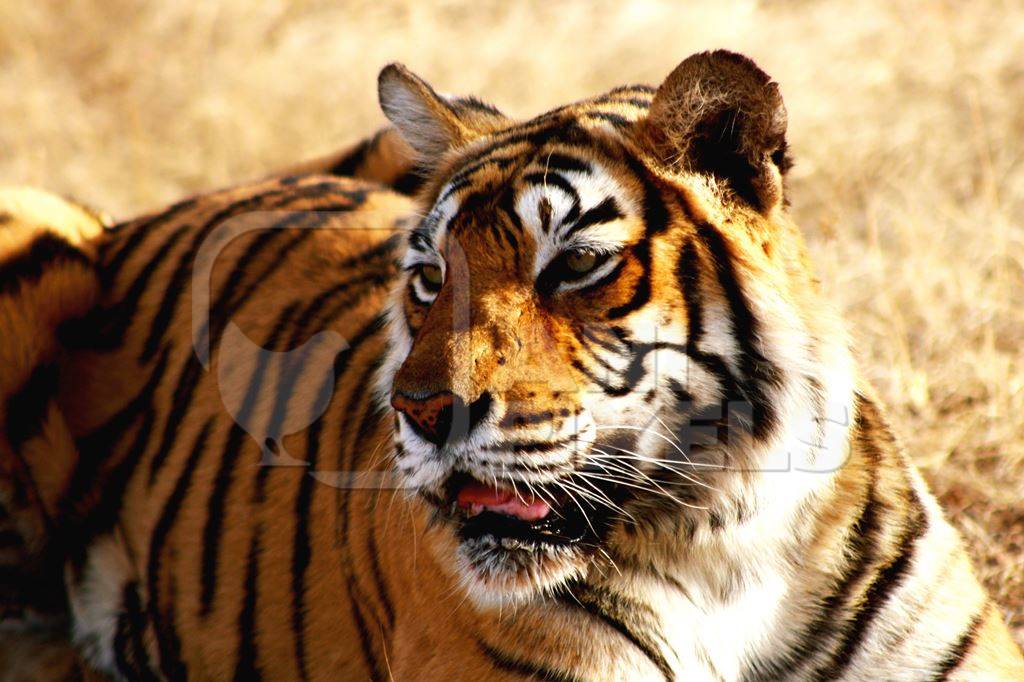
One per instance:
(656,462)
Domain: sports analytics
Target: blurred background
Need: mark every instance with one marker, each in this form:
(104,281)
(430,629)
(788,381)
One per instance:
(906,119)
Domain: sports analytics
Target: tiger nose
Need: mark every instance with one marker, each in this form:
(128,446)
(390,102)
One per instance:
(443,416)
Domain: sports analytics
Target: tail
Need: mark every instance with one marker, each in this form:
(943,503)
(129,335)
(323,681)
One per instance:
(46,277)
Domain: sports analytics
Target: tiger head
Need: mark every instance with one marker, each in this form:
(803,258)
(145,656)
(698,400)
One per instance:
(604,327)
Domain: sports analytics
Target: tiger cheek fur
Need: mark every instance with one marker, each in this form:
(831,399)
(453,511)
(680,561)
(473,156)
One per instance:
(578,411)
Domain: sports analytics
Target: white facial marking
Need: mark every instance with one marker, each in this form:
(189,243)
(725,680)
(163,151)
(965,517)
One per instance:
(96,600)
(592,188)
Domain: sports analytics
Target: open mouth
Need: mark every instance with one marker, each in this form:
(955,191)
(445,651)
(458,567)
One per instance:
(530,518)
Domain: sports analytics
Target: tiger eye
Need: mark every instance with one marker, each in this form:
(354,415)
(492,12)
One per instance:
(432,274)
(580,261)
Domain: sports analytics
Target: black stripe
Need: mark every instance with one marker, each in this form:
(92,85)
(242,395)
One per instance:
(308,324)
(878,593)
(588,345)
(301,546)
(608,339)
(229,300)
(111,264)
(247,667)
(642,291)
(689,278)
(365,642)
(518,666)
(497,233)
(176,285)
(46,251)
(530,446)
(757,371)
(129,649)
(454,185)
(408,183)
(550,179)
(188,379)
(192,371)
(378,575)
(623,616)
(506,204)
(475,104)
(656,214)
(167,639)
(27,407)
(862,549)
(510,237)
(656,218)
(637,102)
(295,363)
(633,373)
(350,164)
(617,120)
(242,269)
(688,274)
(228,463)
(461,176)
(635,88)
(94,494)
(562,162)
(544,212)
(956,654)
(605,212)
(344,304)
(420,241)
(220,314)
(348,453)
(106,328)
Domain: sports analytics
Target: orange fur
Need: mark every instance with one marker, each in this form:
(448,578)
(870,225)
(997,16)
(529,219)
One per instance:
(186,556)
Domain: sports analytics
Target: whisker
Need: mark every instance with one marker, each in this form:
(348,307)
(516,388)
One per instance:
(678,449)
(664,465)
(600,498)
(620,461)
(631,484)
(582,510)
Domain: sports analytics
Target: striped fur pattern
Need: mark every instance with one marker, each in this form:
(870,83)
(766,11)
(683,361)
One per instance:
(46,277)
(620,319)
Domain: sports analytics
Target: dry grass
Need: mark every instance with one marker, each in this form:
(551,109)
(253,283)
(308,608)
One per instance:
(907,120)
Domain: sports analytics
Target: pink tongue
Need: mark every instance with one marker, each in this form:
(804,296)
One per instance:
(479,497)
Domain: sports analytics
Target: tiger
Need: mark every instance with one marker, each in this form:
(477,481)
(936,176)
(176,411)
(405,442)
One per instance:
(554,399)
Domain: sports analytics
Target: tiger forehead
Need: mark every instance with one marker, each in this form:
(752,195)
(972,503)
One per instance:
(569,138)
(556,194)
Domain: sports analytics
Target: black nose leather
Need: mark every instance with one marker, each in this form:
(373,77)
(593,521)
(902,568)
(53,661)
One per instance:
(442,417)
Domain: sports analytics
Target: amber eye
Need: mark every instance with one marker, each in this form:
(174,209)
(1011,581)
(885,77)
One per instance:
(431,277)
(581,261)
(570,266)
(432,274)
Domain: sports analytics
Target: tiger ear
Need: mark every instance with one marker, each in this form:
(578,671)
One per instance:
(430,123)
(718,113)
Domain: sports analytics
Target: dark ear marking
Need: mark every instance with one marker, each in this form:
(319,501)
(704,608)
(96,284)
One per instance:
(718,113)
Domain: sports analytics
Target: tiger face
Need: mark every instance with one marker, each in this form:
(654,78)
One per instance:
(573,364)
